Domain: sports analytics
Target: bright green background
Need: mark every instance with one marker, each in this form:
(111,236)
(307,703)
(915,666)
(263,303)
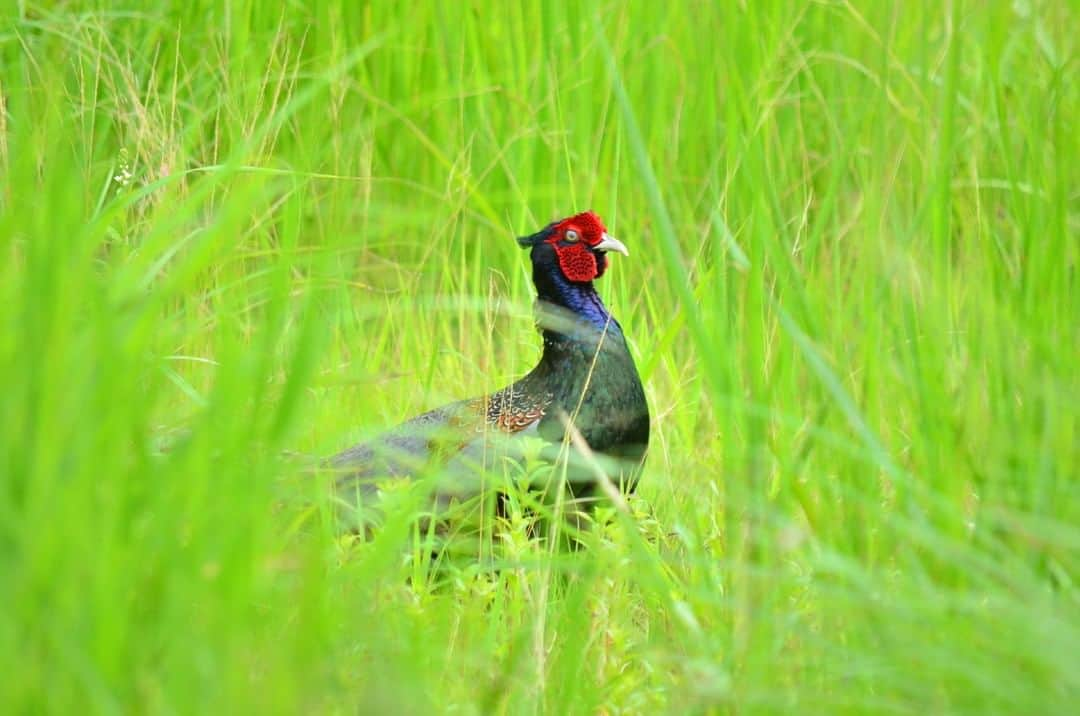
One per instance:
(234,240)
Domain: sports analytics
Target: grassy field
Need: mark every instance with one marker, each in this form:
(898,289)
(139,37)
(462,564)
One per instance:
(236,240)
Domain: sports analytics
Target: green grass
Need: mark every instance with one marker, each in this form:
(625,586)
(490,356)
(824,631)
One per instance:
(852,293)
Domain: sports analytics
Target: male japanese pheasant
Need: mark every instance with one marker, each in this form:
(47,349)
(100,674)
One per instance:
(586,378)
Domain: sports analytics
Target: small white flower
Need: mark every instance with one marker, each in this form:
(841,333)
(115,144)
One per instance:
(123,175)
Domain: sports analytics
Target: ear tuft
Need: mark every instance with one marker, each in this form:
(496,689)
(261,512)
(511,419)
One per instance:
(541,235)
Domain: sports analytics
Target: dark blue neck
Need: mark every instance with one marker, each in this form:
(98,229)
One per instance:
(580,299)
(582,316)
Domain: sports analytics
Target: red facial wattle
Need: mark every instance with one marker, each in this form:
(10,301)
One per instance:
(578,262)
(578,246)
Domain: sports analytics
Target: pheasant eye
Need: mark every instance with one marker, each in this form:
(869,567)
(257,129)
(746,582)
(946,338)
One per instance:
(571,236)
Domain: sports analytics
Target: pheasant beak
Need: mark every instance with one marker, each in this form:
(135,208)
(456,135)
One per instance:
(610,243)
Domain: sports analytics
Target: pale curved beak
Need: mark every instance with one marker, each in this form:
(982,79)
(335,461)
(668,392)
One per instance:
(610,243)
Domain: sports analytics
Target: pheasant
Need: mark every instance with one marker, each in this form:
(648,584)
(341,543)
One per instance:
(585,385)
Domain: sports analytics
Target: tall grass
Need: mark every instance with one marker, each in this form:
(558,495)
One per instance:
(237,237)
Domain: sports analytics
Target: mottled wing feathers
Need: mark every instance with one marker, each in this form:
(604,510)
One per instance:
(438,435)
(512,409)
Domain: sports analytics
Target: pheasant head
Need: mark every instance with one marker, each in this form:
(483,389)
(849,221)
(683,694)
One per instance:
(579,245)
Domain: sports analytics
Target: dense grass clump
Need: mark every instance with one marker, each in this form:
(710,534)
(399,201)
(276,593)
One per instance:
(235,237)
